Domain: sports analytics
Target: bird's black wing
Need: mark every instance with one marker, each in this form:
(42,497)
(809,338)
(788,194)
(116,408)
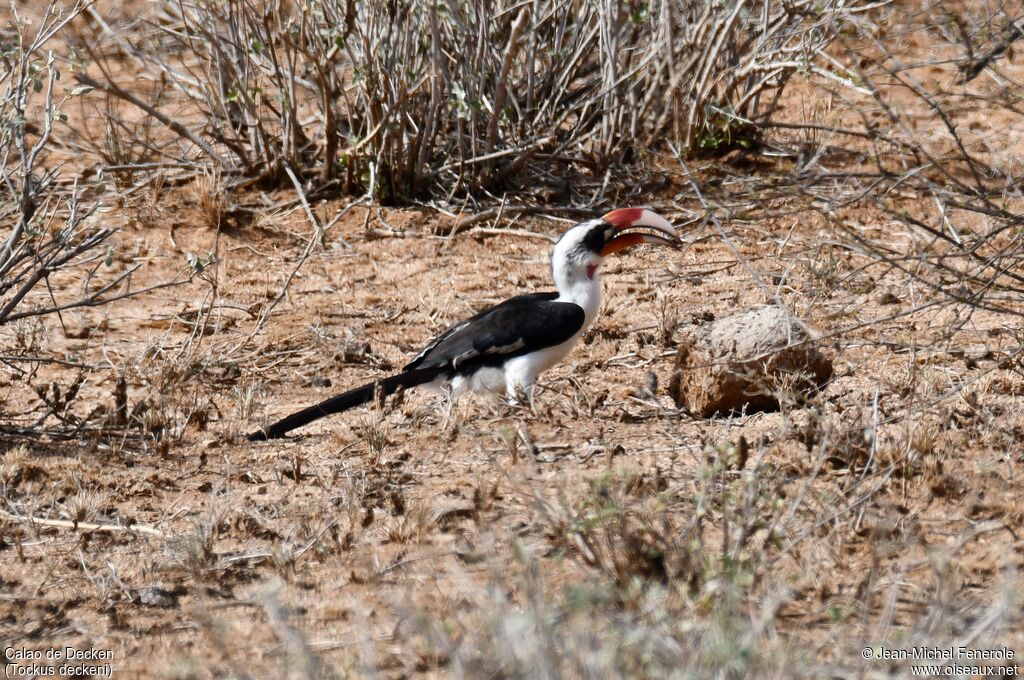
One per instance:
(517,326)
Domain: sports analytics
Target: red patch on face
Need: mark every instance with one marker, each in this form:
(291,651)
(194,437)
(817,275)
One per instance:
(591,270)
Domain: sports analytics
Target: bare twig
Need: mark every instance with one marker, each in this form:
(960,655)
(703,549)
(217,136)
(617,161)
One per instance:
(83,526)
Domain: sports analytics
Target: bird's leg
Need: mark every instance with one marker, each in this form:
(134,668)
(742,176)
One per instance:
(448,406)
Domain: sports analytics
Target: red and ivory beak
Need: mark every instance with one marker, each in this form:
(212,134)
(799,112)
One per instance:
(626,218)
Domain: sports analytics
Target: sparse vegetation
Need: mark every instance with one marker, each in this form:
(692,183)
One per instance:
(212,212)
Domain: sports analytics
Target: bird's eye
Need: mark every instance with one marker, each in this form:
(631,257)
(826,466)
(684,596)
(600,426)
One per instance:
(608,233)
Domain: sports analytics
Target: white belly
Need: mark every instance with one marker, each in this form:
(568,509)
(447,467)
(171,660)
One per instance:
(526,368)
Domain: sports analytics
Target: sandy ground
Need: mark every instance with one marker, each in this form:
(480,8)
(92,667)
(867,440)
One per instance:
(607,524)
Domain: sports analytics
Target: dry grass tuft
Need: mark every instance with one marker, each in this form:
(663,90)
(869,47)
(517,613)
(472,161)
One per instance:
(211,198)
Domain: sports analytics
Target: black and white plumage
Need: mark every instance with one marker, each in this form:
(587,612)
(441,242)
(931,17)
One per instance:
(506,347)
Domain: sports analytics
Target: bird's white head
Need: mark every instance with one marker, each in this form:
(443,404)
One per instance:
(578,254)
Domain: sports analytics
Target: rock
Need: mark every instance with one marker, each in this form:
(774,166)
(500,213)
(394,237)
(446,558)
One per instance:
(745,361)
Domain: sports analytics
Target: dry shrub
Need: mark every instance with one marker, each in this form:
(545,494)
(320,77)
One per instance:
(952,193)
(57,255)
(409,99)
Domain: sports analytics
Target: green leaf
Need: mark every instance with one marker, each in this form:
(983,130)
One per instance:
(78,90)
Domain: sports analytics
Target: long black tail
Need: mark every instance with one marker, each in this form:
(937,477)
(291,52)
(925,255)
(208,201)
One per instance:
(344,401)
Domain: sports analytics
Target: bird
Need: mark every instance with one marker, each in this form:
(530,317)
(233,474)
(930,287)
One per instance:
(504,348)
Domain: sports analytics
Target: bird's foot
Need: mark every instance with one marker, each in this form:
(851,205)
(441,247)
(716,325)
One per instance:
(521,402)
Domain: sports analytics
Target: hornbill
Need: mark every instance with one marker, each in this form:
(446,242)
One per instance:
(505,347)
